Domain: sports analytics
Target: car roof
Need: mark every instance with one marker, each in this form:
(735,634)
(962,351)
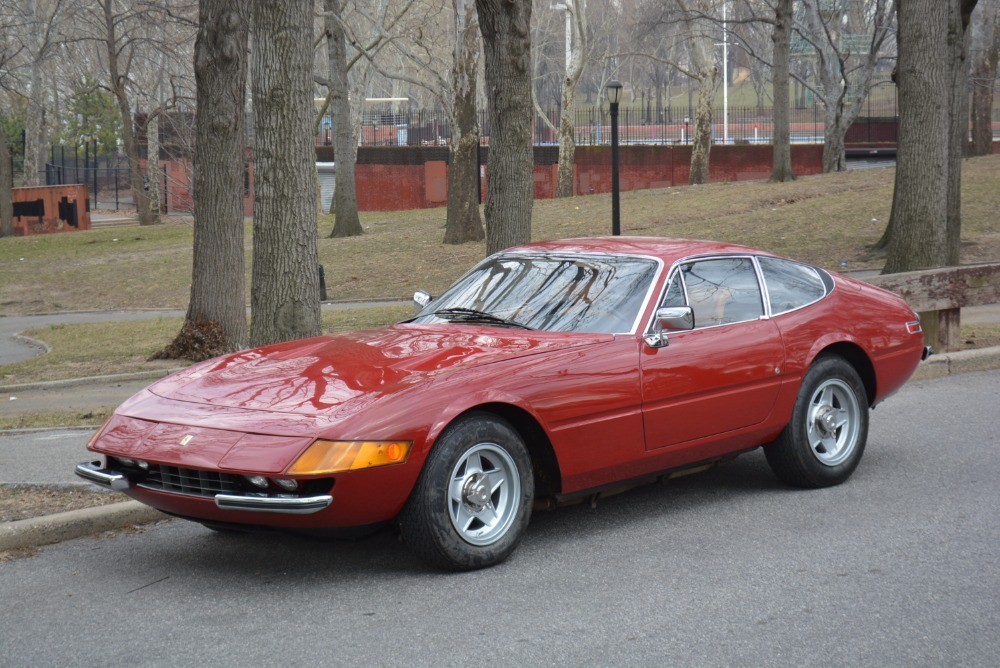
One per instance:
(665,248)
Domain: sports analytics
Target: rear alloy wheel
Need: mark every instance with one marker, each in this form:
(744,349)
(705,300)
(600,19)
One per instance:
(473,500)
(825,439)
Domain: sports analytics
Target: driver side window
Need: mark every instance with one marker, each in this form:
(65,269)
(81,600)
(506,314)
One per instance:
(719,291)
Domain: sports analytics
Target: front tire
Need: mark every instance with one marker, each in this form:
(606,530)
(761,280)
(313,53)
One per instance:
(472,502)
(823,443)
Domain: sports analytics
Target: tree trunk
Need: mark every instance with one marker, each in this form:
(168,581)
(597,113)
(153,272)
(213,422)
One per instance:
(285,284)
(985,53)
(918,219)
(344,207)
(834,129)
(566,183)
(154,174)
(577,35)
(781,35)
(218,285)
(34,132)
(957,54)
(704,71)
(6,184)
(701,144)
(505,26)
(463,220)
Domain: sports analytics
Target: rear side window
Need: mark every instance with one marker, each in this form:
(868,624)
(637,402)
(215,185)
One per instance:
(790,285)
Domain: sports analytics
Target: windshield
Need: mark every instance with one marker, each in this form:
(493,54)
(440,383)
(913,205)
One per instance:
(556,293)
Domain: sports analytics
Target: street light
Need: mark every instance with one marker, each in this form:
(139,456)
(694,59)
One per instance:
(614,91)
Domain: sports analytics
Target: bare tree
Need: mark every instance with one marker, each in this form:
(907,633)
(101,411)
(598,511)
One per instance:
(505,26)
(216,321)
(127,35)
(409,51)
(848,45)
(925,221)
(10,23)
(285,283)
(778,15)
(984,54)
(40,36)
(699,32)
(577,51)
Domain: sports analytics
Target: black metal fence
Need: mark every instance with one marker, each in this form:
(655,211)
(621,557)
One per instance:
(106,177)
(637,125)
(399,125)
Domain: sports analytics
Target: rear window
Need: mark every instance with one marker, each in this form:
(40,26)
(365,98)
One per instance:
(790,285)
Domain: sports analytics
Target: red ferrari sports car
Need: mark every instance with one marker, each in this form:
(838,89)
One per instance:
(547,373)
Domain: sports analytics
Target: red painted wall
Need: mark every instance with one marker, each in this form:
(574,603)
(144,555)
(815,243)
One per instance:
(400,178)
(179,188)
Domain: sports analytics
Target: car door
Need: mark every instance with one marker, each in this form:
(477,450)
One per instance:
(724,374)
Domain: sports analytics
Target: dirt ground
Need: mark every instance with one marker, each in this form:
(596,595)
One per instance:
(19,503)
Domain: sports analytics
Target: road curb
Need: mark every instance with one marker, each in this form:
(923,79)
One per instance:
(34,343)
(963,361)
(153,374)
(55,528)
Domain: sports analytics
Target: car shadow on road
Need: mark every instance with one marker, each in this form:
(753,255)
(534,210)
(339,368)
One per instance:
(669,504)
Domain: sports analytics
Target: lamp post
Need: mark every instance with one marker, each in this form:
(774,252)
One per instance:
(614,91)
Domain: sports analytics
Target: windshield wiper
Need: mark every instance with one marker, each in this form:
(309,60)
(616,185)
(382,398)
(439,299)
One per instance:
(461,314)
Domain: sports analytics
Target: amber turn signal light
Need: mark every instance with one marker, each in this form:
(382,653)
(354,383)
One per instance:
(336,456)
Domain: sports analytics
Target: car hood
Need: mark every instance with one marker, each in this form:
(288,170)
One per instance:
(315,376)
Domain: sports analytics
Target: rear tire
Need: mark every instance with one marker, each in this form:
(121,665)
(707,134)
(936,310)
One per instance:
(472,502)
(824,442)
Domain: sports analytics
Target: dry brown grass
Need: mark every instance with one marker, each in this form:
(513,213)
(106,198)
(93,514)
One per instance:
(95,349)
(826,220)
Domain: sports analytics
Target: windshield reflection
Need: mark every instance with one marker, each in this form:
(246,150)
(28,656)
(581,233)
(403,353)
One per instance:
(556,293)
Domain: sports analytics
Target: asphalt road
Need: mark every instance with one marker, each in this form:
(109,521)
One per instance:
(43,457)
(900,566)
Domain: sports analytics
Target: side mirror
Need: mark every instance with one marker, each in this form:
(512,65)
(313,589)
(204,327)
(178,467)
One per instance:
(675,318)
(421,299)
(672,319)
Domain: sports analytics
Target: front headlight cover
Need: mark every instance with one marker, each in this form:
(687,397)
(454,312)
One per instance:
(337,456)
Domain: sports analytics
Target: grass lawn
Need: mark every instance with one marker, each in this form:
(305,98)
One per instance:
(826,220)
(125,347)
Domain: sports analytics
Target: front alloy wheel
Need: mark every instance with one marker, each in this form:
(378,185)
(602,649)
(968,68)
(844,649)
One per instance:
(484,494)
(472,502)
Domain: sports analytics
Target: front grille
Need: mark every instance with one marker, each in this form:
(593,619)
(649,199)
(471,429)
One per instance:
(190,481)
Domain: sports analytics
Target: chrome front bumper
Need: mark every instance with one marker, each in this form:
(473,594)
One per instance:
(260,503)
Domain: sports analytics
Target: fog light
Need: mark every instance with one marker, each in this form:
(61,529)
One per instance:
(257,481)
(286,484)
(143,465)
(125,461)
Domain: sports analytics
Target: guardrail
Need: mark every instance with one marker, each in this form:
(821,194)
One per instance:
(939,295)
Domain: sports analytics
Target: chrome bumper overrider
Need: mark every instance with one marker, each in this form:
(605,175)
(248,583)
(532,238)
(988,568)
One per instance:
(261,503)
(94,473)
